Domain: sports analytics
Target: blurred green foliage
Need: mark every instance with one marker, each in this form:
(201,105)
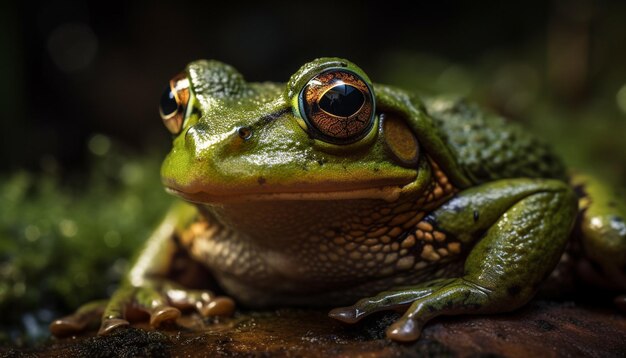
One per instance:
(589,135)
(65,241)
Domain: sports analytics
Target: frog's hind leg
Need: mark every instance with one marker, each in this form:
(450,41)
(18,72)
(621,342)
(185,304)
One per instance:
(522,226)
(602,235)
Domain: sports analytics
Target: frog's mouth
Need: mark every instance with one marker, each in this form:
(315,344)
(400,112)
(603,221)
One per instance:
(389,192)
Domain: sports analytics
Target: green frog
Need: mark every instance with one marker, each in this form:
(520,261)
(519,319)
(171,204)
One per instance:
(330,190)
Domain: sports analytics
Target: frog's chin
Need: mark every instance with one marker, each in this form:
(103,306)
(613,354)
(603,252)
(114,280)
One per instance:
(388,193)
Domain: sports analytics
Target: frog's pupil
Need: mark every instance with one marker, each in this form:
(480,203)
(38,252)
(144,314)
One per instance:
(168,102)
(342,100)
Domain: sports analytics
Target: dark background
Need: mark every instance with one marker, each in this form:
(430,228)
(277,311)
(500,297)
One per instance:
(71,69)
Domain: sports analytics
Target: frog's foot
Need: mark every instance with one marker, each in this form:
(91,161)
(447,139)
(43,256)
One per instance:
(440,297)
(163,301)
(397,300)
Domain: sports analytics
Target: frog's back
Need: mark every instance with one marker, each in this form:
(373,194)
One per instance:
(489,148)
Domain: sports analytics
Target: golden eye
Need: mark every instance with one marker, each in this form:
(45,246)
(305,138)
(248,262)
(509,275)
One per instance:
(338,106)
(174,103)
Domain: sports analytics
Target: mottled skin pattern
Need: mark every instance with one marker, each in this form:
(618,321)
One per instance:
(438,209)
(345,243)
(488,148)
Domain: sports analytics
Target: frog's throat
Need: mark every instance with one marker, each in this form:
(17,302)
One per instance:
(388,193)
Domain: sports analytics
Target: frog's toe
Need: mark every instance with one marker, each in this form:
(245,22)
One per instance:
(420,303)
(84,316)
(397,300)
(66,326)
(404,330)
(161,314)
(115,312)
(454,297)
(219,306)
(204,302)
(349,314)
(152,301)
(128,303)
(111,324)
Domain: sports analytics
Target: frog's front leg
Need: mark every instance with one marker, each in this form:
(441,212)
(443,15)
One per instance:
(146,290)
(521,225)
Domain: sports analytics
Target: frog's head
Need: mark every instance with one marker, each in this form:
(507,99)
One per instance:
(328,133)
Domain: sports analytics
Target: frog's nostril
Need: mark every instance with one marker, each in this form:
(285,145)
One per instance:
(244,132)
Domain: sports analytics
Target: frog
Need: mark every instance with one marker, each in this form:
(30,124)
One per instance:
(332,191)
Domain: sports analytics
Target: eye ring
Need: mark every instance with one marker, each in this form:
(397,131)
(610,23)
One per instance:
(174,102)
(338,106)
(244,133)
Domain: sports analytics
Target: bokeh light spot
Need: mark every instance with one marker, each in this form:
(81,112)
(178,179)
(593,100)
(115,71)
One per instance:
(68,228)
(99,144)
(112,238)
(621,99)
(32,233)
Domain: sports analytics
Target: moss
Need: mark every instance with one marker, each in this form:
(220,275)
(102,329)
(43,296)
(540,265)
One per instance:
(66,241)
(132,342)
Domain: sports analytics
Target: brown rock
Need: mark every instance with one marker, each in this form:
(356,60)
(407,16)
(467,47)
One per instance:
(541,329)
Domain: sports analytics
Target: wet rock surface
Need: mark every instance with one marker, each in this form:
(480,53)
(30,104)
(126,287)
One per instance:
(540,329)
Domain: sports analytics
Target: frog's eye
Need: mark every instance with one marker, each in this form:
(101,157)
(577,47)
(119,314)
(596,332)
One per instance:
(174,103)
(338,106)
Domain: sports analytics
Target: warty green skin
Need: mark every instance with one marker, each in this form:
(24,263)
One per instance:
(511,210)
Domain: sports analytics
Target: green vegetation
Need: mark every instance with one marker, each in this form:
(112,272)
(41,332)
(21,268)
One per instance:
(65,241)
